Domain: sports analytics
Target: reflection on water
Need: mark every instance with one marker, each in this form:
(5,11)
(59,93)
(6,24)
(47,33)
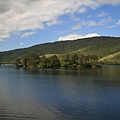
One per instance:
(108,71)
(86,94)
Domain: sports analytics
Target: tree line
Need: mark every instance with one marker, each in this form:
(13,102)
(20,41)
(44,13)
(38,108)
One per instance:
(34,61)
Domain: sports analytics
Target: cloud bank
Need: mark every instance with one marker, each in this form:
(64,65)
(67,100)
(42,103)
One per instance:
(22,15)
(75,36)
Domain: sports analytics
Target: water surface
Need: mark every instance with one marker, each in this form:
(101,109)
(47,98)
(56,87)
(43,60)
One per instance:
(87,94)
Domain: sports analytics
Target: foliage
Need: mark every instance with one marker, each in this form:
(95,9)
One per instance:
(43,62)
(53,62)
(33,61)
(78,60)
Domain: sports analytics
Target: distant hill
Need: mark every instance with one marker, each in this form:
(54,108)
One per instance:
(106,48)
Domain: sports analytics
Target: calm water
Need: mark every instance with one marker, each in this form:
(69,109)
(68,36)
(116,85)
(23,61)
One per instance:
(88,94)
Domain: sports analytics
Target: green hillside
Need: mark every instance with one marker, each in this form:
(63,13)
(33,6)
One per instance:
(100,46)
(112,57)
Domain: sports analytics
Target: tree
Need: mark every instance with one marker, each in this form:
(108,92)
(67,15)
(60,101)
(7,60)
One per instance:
(65,61)
(25,62)
(43,62)
(53,62)
(33,61)
(18,62)
(66,58)
(73,59)
(81,59)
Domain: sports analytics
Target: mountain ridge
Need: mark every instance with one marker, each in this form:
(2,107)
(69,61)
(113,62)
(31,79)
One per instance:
(101,46)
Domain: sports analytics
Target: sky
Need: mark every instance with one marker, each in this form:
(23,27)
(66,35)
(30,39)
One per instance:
(24,23)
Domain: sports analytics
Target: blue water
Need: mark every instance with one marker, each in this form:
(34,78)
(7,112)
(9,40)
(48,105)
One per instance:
(87,94)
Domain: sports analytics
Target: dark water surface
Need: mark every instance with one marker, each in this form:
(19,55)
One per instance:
(88,94)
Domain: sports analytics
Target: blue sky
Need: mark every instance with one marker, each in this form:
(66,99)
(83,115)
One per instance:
(25,23)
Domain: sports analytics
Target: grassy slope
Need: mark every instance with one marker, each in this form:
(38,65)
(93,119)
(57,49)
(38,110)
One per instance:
(101,46)
(112,57)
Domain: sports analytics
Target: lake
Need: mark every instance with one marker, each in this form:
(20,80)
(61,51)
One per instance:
(86,94)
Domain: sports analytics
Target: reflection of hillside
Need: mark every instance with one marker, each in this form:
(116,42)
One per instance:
(111,71)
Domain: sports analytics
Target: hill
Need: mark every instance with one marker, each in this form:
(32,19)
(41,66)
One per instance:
(112,57)
(103,47)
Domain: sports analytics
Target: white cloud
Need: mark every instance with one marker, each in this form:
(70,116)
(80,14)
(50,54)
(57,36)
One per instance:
(96,23)
(111,26)
(1,40)
(118,23)
(4,35)
(102,14)
(73,17)
(54,22)
(103,22)
(20,15)
(76,36)
(91,35)
(89,16)
(113,2)
(90,23)
(27,34)
(21,43)
(69,37)
(76,27)
(82,10)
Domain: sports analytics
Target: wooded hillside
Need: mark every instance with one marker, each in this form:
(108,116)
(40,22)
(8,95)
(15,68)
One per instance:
(100,46)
